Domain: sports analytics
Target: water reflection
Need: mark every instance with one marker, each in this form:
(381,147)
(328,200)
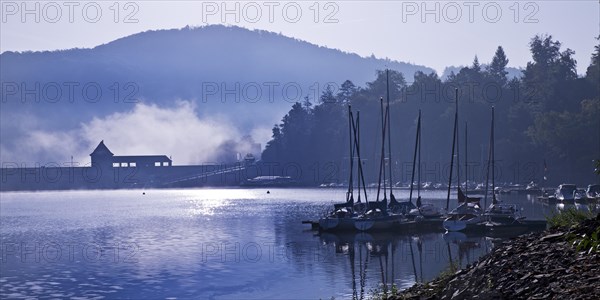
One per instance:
(216,244)
(560,207)
(382,260)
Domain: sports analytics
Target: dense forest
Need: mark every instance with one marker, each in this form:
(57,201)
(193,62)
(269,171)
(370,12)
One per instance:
(547,122)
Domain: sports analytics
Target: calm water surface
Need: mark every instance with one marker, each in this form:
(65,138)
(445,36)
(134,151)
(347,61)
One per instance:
(211,243)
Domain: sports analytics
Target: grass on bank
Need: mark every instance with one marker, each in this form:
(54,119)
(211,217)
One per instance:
(568,217)
(571,217)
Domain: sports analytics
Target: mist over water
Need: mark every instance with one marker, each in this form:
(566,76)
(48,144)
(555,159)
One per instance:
(211,243)
(177,130)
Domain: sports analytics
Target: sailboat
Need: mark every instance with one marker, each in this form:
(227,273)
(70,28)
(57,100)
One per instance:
(469,211)
(378,216)
(422,210)
(498,213)
(398,208)
(345,214)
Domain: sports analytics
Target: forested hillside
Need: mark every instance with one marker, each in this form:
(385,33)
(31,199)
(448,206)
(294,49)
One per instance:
(549,117)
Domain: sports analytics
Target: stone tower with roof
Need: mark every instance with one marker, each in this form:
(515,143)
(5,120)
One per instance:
(102,157)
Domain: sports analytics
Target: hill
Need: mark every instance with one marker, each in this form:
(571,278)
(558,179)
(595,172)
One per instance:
(245,80)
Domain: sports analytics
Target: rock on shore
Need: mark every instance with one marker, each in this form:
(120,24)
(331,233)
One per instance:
(544,265)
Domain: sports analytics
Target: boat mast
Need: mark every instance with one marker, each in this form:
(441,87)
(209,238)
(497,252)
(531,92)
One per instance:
(453,147)
(466,165)
(487,177)
(381,165)
(360,169)
(385,124)
(357,141)
(360,176)
(493,163)
(389,130)
(349,195)
(457,155)
(412,180)
(357,146)
(419,164)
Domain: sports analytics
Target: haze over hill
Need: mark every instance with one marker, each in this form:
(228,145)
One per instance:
(190,93)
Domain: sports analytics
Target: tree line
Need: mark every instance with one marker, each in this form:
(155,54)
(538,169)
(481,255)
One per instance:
(547,122)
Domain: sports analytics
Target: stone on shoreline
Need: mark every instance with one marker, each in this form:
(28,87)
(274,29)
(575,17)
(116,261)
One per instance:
(544,265)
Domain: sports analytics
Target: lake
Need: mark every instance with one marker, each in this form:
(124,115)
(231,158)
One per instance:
(213,244)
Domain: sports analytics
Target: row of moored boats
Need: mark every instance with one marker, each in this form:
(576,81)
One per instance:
(357,213)
(569,194)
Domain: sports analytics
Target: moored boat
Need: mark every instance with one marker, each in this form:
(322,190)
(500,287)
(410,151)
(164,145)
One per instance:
(380,216)
(533,188)
(499,214)
(503,214)
(580,196)
(426,211)
(565,193)
(345,214)
(420,210)
(468,212)
(593,192)
(377,219)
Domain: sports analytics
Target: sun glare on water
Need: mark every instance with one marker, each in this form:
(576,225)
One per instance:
(207,202)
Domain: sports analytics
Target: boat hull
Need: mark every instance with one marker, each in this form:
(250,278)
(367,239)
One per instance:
(460,224)
(379,223)
(455,225)
(389,224)
(336,224)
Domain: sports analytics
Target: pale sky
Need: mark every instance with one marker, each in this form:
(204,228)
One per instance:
(431,33)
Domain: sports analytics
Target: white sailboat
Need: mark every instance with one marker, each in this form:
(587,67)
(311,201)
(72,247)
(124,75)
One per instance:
(345,214)
(498,214)
(421,210)
(469,211)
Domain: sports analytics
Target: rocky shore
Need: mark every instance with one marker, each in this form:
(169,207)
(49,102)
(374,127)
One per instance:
(559,263)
